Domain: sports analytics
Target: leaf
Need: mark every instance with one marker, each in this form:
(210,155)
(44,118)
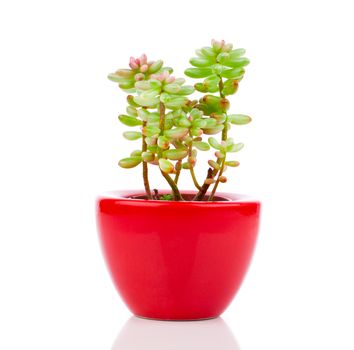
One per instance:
(153,118)
(222,57)
(212,80)
(166,166)
(237,53)
(148,156)
(143,114)
(172,88)
(146,101)
(220,118)
(214,130)
(214,143)
(132,135)
(185,90)
(129,121)
(235,148)
(175,154)
(198,72)
(125,73)
(202,146)
(196,132)
(200,62)
(201,87)
(235,73)
(229,90)
(142,85)
(232,163)
(155,67)
(116,78)
(214,164)
(220,154)
(150,131)
(200,123)
(239,119)
(163,142)
(208,52)
(129,162)
(173,102)
(132,111)
(130,99)
(211,100)
(176,133)
(183,122)
(126,85)
(136,153)
(237,62)
(180,81)
(148,98)
(209,122)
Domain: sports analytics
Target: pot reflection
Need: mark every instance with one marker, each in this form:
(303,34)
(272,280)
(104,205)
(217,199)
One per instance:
(141,334)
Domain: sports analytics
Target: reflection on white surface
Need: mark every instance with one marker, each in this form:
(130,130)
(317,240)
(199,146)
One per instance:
(141,334)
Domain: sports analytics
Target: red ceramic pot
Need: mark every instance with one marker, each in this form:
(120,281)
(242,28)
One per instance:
(177,260)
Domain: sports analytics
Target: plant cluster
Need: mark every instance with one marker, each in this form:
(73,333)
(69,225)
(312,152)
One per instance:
(172,126)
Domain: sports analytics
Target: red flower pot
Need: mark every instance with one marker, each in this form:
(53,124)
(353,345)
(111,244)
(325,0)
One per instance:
(177,260)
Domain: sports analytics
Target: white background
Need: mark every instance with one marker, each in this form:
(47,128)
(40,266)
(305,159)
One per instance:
(60,142)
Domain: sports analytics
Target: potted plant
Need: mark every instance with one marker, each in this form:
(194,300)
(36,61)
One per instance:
(180,255)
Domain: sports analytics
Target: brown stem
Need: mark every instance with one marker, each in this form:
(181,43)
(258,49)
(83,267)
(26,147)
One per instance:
(191,169)
(221,87)
(145,168)
(213,172)
(178,171)
(211,197)
(176,194)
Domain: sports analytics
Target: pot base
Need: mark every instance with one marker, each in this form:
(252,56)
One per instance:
(176,320)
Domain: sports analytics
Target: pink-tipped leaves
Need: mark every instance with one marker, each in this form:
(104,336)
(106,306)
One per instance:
(155,67)
(176,133)
(166,166)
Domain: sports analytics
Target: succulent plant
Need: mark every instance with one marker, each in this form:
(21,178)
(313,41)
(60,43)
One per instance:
(172,127)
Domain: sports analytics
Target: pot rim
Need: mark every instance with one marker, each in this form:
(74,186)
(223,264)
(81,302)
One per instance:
(124,195)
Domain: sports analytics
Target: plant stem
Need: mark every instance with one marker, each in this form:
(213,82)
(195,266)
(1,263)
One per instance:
(195,179)
(145,168)
(221,87)
(213,172)
(176,194)
(178,171)
(191,168)
(211,197)
(161,124)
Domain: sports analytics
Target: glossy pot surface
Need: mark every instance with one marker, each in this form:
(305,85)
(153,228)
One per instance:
(177,260)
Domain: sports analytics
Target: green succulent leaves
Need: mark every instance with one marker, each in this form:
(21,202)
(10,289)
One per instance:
(198,72)
(239,119)
(215,62)
(171,126)
(130,162)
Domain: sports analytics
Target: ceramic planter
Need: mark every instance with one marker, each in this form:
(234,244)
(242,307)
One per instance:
(177,260)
